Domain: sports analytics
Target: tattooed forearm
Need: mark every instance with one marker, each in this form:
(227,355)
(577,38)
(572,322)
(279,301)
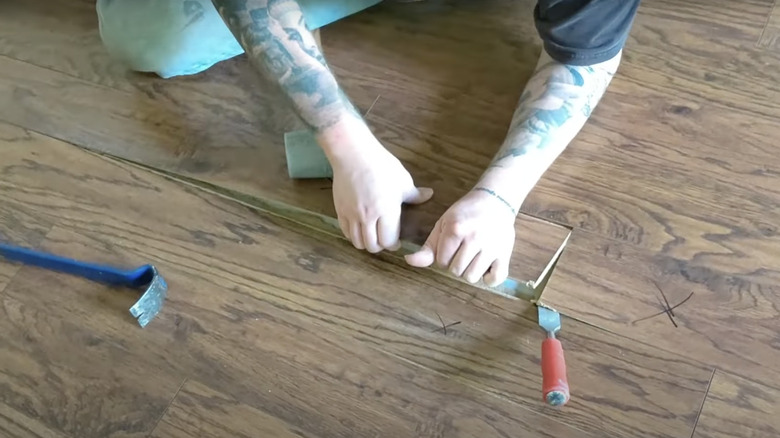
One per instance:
(276,40)
(554,106)
(557,101)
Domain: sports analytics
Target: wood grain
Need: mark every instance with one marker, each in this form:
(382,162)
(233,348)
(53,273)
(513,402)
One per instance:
(259,304)
(730,322)
(15,424)
(671,182)
(200,411)
(20,228)
(226,125)
(18,225)
(739,407)
(73,379)
(704,50)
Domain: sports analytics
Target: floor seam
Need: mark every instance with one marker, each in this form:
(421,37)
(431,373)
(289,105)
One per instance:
(475,386)
(67,74)
(766,25)
(168,407)
(703,402)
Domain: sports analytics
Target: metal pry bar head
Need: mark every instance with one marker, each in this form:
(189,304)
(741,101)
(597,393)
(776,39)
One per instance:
(145,309)
(549,320)
(150,303)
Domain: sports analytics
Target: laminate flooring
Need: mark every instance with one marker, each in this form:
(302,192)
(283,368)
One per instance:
(269,327)
(272,330)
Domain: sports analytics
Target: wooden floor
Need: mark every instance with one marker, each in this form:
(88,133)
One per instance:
(273,330)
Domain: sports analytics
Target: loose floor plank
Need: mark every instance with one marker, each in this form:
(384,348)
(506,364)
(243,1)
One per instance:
(736,407)
(243,286)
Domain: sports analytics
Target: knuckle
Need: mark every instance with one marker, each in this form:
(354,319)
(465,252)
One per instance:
(366,212)
(369,211)
(458,229)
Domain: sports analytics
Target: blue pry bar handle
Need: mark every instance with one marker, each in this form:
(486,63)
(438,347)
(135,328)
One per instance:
(100,273)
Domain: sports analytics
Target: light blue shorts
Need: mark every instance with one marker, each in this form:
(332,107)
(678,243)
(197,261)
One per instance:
(185,37)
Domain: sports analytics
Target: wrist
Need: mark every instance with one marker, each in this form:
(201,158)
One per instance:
(510,187)
(343,138)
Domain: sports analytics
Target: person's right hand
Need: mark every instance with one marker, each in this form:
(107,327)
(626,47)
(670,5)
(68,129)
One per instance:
(369,187)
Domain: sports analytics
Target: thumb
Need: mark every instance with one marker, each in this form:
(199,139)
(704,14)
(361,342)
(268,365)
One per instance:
(419,195)
(422,258)
(426,255)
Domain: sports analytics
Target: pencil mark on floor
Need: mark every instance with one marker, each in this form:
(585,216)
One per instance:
(667,308)
(444,326)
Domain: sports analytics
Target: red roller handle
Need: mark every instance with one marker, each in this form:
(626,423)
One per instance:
(555,386)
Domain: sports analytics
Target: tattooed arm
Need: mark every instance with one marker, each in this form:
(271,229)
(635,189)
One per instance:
(476,236)
(554,106)
(277,42)
(369,183)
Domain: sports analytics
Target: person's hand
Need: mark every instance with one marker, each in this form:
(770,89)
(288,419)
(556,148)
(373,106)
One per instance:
(474,239)
(369,187)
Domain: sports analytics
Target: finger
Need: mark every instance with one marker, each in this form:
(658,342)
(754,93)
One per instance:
(499,271)
(446,249)
(478,267)
(419,195)
(356,235)
(344,225)
(369,237)
(463,258)
(422,258)
(427,254)
(388,229)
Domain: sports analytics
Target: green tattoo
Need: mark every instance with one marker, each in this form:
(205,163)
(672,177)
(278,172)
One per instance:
(275,38)
(554,95)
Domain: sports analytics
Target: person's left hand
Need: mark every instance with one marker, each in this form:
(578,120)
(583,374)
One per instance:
(474,239)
